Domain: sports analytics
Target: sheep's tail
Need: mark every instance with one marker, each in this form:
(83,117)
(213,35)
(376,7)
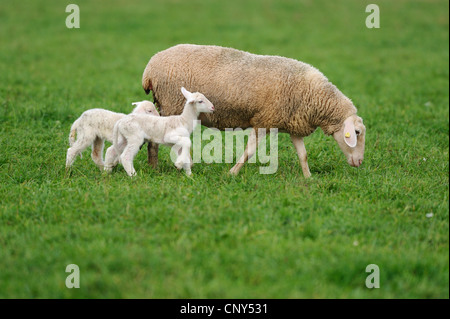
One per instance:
(73,132)
(146,82)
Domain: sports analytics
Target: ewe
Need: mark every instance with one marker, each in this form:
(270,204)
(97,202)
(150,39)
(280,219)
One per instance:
(256,91)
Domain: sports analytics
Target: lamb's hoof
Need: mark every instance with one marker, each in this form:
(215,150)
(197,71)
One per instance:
(307,174)
(107,169)
(67,171)
(179,165)
(233,172)
(132,174)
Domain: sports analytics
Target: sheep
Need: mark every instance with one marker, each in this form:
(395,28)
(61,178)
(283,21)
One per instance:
(256,91)
(133,130)
(95,126)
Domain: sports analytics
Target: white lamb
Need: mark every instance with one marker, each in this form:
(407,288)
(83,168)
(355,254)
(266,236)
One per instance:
(134,129)
(95,126)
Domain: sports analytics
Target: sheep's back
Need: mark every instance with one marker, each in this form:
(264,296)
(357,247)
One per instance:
(246,89)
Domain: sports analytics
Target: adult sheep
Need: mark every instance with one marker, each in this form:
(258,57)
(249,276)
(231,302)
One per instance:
(256,91)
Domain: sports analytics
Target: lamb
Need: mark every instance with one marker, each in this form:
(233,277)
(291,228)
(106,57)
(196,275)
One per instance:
(256,91)
(133,130)
(95,126)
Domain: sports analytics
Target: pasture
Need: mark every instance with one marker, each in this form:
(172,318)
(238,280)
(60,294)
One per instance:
(165,235)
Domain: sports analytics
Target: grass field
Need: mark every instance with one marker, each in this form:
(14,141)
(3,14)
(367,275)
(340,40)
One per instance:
(164,235)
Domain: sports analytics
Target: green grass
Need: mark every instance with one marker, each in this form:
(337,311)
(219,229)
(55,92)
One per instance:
(163,235)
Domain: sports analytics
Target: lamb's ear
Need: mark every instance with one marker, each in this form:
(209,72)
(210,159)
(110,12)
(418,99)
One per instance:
(349,132)
(135,103)
(186,93)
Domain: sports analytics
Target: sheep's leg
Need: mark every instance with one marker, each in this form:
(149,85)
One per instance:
(128,154)
(152,154)
(250,150)
(301,152)
(77,148)
(97,152)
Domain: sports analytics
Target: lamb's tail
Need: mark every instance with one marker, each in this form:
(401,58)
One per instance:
(116,137)
(146,81)
(73,132)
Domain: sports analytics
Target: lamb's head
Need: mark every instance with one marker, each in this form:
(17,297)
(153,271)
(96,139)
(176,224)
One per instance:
(351,139)
(198,100)
(145,107)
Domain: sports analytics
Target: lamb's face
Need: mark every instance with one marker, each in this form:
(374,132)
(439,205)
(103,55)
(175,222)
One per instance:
(151,109)
(145,107)
(199,101)
(202,104)
(351,140)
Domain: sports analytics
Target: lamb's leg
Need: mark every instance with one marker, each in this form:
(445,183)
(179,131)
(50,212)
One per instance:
(301,152)
(183,160)
(77,148)
(191,162)
(113,153)
(188,164)
(111,158)
(181,145)
(97,152)
(152,154)
(128,155)
(70,157)
(250,150)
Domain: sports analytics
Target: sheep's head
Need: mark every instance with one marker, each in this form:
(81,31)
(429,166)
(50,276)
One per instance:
(145,107)
(351,139)
(198,100)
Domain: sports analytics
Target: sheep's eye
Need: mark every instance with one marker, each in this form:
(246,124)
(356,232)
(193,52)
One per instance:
(200,101)
(357,132)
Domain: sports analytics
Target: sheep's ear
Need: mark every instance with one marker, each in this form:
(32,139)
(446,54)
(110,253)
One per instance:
(349,132)
(135,103)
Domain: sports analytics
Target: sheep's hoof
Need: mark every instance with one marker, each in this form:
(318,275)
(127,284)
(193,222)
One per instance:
(153,165)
